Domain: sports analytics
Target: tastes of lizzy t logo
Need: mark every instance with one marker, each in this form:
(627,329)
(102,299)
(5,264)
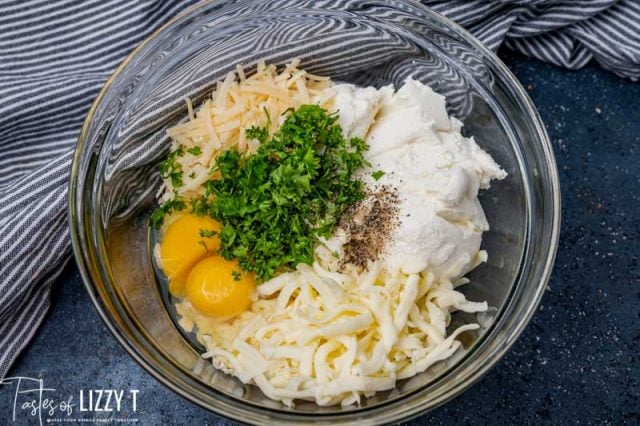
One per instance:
(32,401)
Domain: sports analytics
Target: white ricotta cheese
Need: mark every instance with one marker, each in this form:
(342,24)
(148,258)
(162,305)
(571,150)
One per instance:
(436,171)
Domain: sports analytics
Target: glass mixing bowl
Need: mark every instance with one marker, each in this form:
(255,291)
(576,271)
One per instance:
(114,180)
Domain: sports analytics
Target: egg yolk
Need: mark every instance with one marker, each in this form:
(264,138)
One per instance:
(184,242)
(218,288)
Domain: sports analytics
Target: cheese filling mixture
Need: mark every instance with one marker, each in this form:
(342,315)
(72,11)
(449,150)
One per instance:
(314,234)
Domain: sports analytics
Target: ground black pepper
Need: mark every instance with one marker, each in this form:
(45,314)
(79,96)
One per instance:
(369,225)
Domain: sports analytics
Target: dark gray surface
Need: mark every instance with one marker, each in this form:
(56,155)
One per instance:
(577,362)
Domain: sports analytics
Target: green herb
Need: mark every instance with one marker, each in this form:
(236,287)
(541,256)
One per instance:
(266,111)
(236,275)
(171,169)
(157,217)
(196,150)
(207,233)
(378,174)
(204,245)
(199,206)
(274,204)
(261,134)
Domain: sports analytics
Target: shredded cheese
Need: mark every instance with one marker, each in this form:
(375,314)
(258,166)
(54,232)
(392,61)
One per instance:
(239,102)
(312,337)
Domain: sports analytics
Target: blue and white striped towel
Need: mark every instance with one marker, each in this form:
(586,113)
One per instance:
(55,56)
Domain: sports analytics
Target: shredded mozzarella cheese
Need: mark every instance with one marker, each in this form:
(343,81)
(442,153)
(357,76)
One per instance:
(310,336)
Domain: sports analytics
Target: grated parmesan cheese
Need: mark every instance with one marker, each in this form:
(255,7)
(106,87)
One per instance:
(239,102)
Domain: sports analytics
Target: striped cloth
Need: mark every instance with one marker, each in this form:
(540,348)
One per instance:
(55,56)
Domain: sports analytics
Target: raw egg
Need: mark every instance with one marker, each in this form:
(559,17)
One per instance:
(185,241)
(218,288)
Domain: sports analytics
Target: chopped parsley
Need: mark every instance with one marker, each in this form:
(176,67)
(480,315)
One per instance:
(236,275)
(157,217)
(171,169)
(274,204)
(377,174)
(207,233)
(196,150)
(257,133)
